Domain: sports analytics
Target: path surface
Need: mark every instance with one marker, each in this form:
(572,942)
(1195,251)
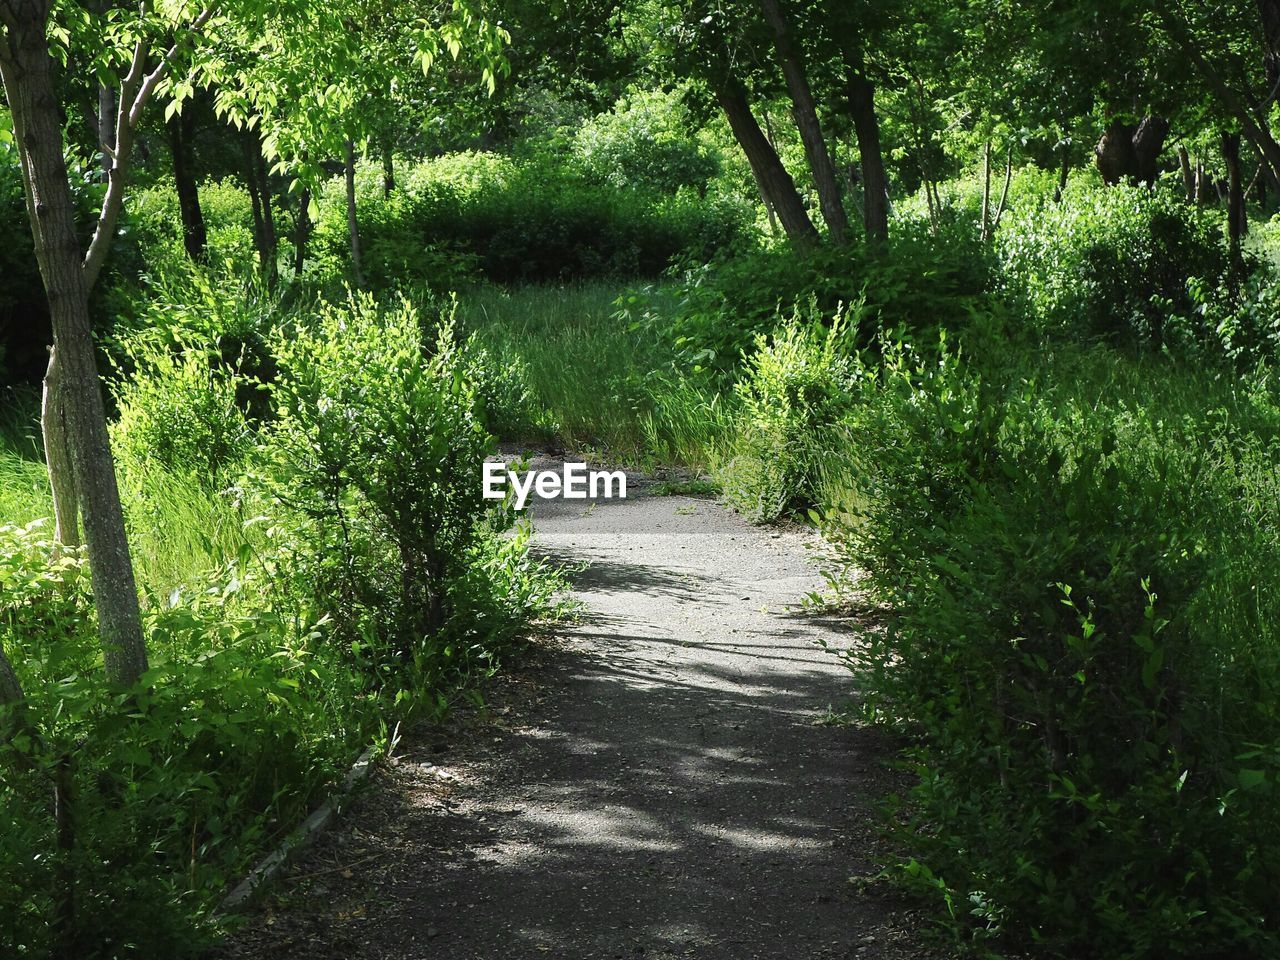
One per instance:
(656,786)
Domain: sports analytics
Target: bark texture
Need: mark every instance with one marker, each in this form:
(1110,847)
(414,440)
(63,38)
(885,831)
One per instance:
(264,229)
(302,232)
(27,71)
(57,452)
(1235,194)
(1188,176)
(866,127)
(769,172)
(805,112)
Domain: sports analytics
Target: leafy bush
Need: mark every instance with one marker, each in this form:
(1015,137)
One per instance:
(1078,641)
(923,279)
(645,142)
(179,412)
(1116,262)
(382,441)
(308,578)
(795,387)
(228,738)
(473,215)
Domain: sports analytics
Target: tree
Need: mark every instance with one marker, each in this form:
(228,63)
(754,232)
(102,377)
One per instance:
(318,83)
(68,273)
(805,112)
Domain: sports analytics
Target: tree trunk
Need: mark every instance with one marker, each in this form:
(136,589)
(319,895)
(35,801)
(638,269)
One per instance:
(1254,123)
(57,455)
(388,168)
(1188,178)
(866,126)
(194,235)
(1064,172)
(10,688)
(27,70)
(1148,141)
(1004,192)
(302,232)
(1235,195)
(1269,11)
(266,256)
(268,213)
(106,126)
(986,191)
(772,176)
(1114,152)
(805,112)
(353,225)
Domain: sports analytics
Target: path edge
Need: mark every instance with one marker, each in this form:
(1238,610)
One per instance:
(269,868)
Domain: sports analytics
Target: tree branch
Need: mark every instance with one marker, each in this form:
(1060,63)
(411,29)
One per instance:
(136,91)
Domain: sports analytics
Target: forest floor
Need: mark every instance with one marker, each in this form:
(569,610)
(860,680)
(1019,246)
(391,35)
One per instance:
(657,781)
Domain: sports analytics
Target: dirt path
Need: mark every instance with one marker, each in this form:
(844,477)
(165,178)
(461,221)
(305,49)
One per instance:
(657,786)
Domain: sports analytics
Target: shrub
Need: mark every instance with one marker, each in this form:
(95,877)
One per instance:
(923,279)
(474,215)
(795,387)
(645,143)
(178,411)
(381,443)
(229,738)
(1115,262)
(1078,642)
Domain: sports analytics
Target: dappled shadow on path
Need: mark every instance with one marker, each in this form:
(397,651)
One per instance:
(657,787)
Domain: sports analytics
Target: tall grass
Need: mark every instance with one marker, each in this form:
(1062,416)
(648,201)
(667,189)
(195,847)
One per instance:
(178,530)
(609,387)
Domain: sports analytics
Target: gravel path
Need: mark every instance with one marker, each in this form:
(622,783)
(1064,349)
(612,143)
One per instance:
(656,785)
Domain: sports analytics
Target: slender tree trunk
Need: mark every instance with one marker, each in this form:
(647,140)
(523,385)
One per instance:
(772,176)
(194,235)
(866,127)
(805,112)
(65,927)
(266,256)
(1004,191)
(1064,172)
(27,70)
(57,454)
(1269,12)
(1188,178)
(353,224)
(986,191)
(302,232)
(1235,195)
(388,168)
(268,213)
(106,126)
(1253,123)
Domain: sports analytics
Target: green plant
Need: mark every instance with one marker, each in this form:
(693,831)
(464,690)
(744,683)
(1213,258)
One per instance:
(1116,262)
(378,442)
(1075,641)
(795,387)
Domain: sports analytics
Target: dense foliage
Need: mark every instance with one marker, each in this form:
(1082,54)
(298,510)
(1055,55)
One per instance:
(988,292)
